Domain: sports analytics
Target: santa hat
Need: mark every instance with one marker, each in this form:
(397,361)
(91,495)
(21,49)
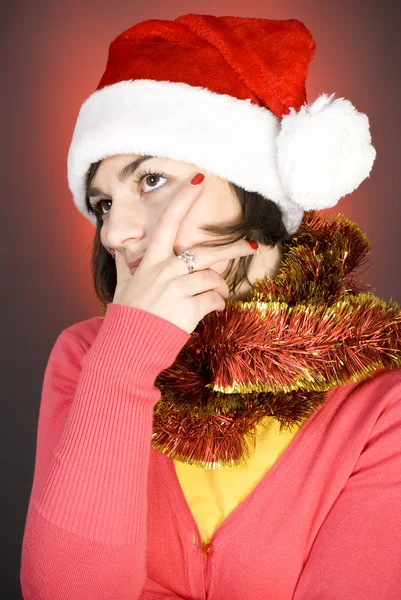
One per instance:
(228,95)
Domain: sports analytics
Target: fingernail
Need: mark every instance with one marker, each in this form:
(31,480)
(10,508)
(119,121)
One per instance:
(253,244)
(199,177)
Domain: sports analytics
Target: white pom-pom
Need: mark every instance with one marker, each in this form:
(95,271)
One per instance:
(324,152)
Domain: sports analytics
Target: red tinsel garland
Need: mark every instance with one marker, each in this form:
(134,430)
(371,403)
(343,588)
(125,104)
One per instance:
(312,328)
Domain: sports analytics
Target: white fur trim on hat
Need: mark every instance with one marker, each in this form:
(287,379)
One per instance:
(324,152)
(230,138)
(308,159)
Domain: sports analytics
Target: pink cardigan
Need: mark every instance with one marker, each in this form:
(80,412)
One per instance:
(108,520)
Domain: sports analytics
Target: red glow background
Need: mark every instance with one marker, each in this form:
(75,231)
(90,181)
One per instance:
(55,54)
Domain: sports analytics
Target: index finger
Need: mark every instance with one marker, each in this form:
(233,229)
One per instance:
(163,238)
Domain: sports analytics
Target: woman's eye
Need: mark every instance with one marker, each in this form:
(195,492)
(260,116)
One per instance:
(96,209)
(152,180)
(144,178)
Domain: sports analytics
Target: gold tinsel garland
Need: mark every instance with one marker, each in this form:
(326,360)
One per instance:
(312,328)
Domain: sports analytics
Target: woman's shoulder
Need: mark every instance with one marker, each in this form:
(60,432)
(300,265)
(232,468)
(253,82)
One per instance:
(384,385)
(81,335)
(88,328)
(371,401)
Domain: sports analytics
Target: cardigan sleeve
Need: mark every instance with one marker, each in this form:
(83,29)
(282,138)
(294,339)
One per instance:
(357,551)
(85,531)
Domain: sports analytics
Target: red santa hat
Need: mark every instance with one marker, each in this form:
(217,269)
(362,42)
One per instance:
(228,95)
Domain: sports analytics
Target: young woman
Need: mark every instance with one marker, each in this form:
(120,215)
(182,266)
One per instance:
(230,425)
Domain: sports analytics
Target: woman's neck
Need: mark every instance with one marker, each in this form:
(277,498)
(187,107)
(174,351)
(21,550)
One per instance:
(266,262)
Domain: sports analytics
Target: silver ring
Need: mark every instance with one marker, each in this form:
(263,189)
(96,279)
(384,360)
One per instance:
(189,258)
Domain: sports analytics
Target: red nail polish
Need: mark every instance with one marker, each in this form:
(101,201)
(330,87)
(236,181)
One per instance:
(199,177)
(253,244)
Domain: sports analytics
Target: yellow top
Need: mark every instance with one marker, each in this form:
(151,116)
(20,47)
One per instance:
(212,494)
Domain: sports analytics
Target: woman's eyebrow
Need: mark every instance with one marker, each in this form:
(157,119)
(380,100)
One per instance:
(122,176)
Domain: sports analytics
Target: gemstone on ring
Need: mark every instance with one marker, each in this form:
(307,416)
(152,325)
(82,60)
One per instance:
(189,257)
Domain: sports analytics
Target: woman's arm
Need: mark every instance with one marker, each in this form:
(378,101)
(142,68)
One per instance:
(357,552)
(85,532)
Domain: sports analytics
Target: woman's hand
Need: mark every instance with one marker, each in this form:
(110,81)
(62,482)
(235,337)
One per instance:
(162,284)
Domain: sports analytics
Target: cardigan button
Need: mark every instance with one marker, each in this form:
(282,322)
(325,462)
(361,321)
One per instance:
(209,549)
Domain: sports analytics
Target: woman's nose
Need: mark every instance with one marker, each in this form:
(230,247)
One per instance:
(123,223)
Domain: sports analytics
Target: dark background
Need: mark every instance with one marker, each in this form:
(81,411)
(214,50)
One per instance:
(54,55)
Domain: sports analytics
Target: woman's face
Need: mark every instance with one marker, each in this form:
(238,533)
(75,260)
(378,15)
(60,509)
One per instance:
(131,209)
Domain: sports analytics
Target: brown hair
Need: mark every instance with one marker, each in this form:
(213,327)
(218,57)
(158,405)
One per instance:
(261,221)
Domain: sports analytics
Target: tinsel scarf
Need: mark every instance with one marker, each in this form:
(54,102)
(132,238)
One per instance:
(311,328)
